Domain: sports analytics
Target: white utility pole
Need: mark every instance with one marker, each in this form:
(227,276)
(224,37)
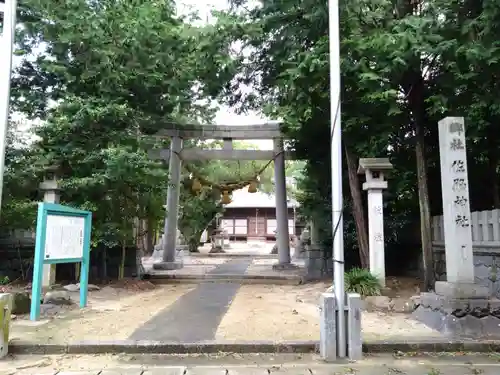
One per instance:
(8,8)
(336,165)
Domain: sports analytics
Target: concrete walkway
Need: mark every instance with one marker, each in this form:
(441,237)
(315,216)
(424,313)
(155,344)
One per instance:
(330,370)
(256,364)
(300,369)
(196,315)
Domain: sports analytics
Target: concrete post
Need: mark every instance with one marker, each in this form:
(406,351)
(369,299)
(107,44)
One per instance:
(51,194)
(456,211)
(170,231)
(354,339)
(374,171)
(328,327)
(283,240)
(6,301)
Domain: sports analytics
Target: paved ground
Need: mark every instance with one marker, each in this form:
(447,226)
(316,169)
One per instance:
(196,315)
(230,364)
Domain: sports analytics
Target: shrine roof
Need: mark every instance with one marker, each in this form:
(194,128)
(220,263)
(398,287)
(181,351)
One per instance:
(243,199)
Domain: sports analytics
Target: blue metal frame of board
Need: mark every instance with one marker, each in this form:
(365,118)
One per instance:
(45,209)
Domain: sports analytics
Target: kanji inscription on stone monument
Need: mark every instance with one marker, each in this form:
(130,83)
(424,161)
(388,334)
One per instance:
(458,166)
(456,207)
(456,144)
(460,200)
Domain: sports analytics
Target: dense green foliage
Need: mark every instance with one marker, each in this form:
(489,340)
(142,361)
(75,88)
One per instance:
(405,65)
(101,75)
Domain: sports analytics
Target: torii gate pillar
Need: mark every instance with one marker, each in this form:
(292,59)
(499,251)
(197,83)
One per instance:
(283,235)
(169,242)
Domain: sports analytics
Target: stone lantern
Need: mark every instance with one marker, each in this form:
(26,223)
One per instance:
(375,171)
(218,241)
(50,185)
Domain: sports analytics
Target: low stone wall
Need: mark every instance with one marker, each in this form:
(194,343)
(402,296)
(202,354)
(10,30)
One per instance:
(486,266)
(16,259)
(16,262)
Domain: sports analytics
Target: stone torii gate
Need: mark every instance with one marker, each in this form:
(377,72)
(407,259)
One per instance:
(176,154)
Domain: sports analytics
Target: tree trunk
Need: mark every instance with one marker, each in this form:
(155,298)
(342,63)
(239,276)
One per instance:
(425,214)
(416,101)
(140,245)
(77,272)
(413,85)
(104,265)
(121,270)
(149,237)
(358,210)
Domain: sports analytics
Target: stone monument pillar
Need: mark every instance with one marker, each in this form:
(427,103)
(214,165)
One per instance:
(374,169)
(283,236)
(456,212)
(459,307)
(51,194)
(169,241)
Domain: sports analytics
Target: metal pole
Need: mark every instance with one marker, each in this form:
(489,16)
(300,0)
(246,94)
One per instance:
(336,165)
(6,48)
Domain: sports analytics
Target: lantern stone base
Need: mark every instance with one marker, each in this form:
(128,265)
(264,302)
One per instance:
(284,266)
(299,254)
(318,264)
(460,311)
(168,266)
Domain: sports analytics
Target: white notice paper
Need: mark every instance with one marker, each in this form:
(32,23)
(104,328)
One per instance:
(64,237)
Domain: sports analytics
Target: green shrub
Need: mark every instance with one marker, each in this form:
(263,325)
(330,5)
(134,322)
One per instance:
(360,280)
(4,280)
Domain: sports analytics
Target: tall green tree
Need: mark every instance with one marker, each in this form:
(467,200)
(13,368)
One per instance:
(102,75)
(405,64)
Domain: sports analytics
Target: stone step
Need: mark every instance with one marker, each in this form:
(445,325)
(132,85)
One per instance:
(158,278)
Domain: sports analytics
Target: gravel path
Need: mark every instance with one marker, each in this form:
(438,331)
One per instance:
(256,312)
(286,312)
(111,315)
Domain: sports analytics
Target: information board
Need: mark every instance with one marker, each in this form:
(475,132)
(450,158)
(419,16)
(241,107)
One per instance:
(64,237)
